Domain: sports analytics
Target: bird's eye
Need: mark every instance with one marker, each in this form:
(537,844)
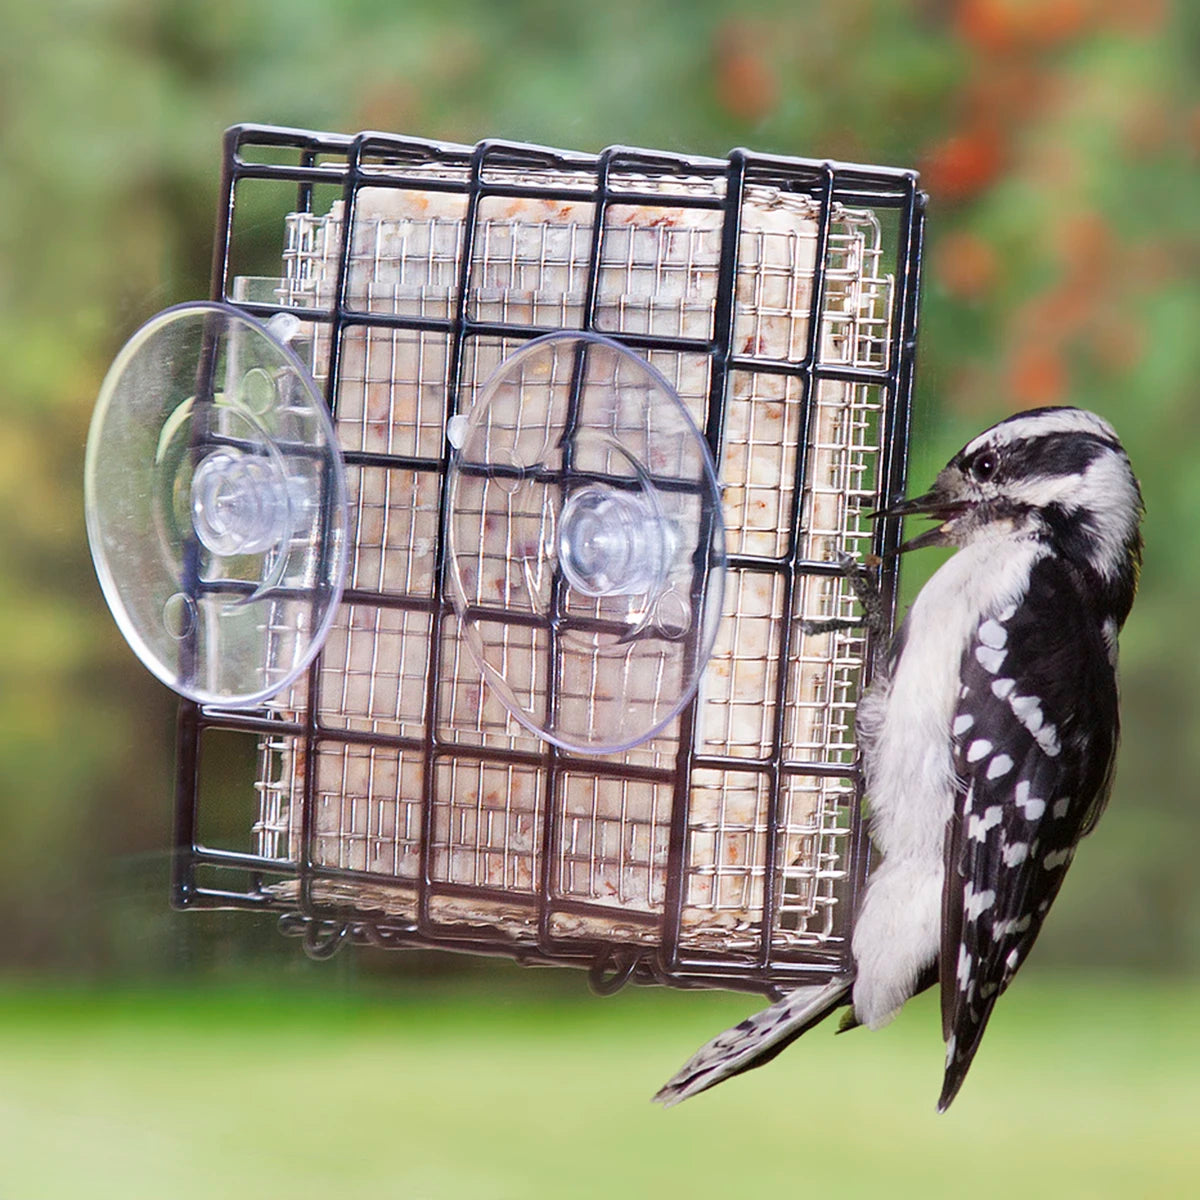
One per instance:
(983,466)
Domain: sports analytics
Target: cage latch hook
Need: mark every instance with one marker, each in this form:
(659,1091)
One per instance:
(619,965)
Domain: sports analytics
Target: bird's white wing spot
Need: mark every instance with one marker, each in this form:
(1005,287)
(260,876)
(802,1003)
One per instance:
(1056,858)
(1031,806)
(975,903)
(1028,710)
(962,723)
(963,969)
(989,659)
(1047,738)
(1002,687)
(1016,853)
(980,748)
(993,634)
(1000,765)
(977,827)
(1109,629)
(1014,925)
(1060,808)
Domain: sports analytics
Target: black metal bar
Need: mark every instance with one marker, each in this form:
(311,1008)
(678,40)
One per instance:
(892,477)
(187,794)
(223,242)
(453,393)
(224,899)
(249,720)
(395,600)
(724,316)
(569,474)
(756,766)
(308,865)
(390,462)
(205,857)
(246,133)
(557,623)
(806,370)
(565,623)
(509,331)
(527,191)
(771,883)
(801,566)
(286,173)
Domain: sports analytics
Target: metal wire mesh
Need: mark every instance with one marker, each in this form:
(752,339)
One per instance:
(398,798)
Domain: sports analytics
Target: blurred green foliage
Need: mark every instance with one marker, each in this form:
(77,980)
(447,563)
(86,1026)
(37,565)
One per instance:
(434,1094)
(1058,140)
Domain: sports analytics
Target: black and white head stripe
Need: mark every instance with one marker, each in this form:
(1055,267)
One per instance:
(1044,422)
(1064,469)
(1044,446)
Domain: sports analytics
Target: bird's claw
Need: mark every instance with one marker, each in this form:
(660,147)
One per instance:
(861,575)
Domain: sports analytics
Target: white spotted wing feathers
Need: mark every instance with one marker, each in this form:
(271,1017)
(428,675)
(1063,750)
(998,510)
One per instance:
(1034,738)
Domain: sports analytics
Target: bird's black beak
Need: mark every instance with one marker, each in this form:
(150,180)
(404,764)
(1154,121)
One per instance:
(935,504)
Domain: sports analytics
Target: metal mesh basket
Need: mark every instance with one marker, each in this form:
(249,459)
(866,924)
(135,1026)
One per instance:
(398,801)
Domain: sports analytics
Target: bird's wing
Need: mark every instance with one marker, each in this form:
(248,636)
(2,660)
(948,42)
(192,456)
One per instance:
(1035,737)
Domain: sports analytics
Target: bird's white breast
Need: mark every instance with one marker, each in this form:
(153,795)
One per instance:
(905,720)
(904,727)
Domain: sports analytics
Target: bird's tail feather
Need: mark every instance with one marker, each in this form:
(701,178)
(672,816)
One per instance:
(755,1041)
(961,1046)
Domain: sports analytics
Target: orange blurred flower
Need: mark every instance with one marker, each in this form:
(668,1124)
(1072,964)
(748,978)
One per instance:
(1038,376)
(1001,26)
(964,164)
(965,265)
(746,83)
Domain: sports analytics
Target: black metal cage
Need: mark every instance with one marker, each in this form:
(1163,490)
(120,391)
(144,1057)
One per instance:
(393,802)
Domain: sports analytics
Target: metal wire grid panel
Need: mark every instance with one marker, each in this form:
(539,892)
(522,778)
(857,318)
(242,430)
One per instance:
(398,801)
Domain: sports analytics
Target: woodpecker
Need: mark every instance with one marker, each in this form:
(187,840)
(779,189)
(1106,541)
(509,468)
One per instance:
(988,739)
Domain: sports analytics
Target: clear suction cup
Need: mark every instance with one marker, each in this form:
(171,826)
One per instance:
(586,551)
(216,504)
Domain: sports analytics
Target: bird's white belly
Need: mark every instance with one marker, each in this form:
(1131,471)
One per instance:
(904,728)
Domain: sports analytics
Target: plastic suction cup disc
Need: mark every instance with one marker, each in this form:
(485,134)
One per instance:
(216,504)
(586,551)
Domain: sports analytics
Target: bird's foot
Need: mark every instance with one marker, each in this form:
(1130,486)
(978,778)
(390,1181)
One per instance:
(863,579)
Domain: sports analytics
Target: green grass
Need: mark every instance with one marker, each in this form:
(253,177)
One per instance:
(1083,1088)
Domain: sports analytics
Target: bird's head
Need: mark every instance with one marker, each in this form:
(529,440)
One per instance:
(1056,474)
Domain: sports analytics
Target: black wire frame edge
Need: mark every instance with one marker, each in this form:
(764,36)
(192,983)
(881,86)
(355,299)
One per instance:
(363,161)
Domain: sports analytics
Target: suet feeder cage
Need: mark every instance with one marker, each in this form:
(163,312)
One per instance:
(489,506)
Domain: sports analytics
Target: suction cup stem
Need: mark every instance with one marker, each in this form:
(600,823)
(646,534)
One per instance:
(613,543)
(239,503)
(216,503)
(586,553)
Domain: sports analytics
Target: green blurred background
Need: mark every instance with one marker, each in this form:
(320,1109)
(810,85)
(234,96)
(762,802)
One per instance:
(1059,142)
